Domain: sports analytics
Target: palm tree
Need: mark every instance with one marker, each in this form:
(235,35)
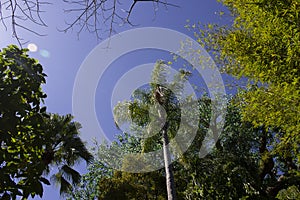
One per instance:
(63,149)
(164,117)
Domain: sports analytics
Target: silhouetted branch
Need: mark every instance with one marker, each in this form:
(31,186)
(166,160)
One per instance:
(108,10)
(92,15)
(17,12)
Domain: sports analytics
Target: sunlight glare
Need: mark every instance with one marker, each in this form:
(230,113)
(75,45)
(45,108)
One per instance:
(32,47)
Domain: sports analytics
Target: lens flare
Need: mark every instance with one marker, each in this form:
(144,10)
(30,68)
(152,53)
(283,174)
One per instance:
(32,47)
(45,53)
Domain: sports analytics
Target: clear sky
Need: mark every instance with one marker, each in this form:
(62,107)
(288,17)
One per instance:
(61,54)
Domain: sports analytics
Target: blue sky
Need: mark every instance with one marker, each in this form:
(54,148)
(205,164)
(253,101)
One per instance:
(61,54)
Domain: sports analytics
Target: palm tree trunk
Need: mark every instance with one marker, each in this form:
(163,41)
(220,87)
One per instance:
(159,96)
(168,166)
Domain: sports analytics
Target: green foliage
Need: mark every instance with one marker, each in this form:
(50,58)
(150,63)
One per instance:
(102,182)
(230,171)
(31,139)
(291,192)
(129,186)
(263,45)
(145,109)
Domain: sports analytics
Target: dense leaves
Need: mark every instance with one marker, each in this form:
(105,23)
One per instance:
(31,139)
(263,46)
(231,171)
(102,182)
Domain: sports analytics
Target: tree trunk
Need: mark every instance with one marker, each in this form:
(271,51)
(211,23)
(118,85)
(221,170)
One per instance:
(161,99)
(168,166)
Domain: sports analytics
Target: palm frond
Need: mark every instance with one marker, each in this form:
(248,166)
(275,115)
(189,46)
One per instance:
(58,179)
(71,174)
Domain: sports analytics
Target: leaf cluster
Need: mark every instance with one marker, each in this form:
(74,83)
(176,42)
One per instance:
(32,140)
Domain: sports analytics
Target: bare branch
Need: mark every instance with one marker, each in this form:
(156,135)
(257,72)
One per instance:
(109,10)
(2,17)
(94,16)
(20,11)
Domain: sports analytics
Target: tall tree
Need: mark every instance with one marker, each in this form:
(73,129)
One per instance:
(32,140)
(164,104)
(263,46)
(161,97)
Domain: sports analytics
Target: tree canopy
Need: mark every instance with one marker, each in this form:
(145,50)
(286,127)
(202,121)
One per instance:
(32,140)
(240,166)
(262,45)
(233,170)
